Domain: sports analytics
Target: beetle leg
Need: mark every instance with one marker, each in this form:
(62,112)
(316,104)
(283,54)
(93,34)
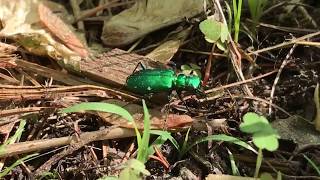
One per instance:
(183,101)
(143,67)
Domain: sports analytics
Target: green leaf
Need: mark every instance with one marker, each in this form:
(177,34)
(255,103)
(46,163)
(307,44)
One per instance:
(195,67)
(266,176)
(138,166)
(99,106)
(266,139)
(185,67)
(221,46)
(14,138)
(263,134)
(109,178)
(104,107)
(133,170)
(211,29)
(224,33)
(234,168)
(19,161)
(165,135)
(144,145)
(191,69)
(252,123)
(221,137)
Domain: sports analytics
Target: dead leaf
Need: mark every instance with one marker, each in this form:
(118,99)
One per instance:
(159,120)
(60,30)
(21,23)
(165,51)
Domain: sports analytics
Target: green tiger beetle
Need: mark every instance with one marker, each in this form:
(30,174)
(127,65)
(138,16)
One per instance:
(149,81)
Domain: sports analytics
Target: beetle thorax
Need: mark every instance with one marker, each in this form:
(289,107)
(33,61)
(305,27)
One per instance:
(187,82)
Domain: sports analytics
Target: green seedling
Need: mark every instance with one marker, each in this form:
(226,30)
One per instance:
(237,6)
(256,8)
(215,32)
(134,168)
(11,140)
(263,135)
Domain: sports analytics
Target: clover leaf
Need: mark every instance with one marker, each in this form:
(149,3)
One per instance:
(263,135)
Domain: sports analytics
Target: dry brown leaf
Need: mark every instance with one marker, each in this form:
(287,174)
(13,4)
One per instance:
(21,23)
(61,31)
(158,119)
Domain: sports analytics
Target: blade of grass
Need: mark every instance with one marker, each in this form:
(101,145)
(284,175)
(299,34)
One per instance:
(315,167)
(13,138)
(104,107)
(165,135)
(19,161)
(220,137)
(144,144)
(99,106)
(184,147)
(258,163)
(234,168)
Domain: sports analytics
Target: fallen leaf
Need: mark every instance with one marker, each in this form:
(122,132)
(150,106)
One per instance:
(61,31)
(158,119)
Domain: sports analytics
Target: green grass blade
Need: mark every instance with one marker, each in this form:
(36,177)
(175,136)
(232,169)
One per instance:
(184,147)
(13,138)
(234,168)
(99,106)
(143,146)
(258,163)
(104,107)
(229,16)
(167,135)
(315,167)
(19,161)
(237,21)
(220,137)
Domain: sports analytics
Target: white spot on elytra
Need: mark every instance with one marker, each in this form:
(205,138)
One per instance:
(149,88)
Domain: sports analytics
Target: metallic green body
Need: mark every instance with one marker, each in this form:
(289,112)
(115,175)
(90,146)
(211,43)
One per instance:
(159,80)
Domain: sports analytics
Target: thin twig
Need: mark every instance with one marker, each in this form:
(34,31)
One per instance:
(235,55)
(284,44)
(240,82)
(284,63)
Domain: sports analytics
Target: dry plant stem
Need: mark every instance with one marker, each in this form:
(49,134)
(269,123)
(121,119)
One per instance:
(93,11)
(308,43)
(234,53)
(240,82)
(202,52)
(264,101)
(38,145)
(74,146)
(56,75)
(284,63)
(129,152)
(250,97)
(77,12)
(285,29)
(284,44)
(28,77)
(10,112)
(22,92)
(208,67)
(9,79)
